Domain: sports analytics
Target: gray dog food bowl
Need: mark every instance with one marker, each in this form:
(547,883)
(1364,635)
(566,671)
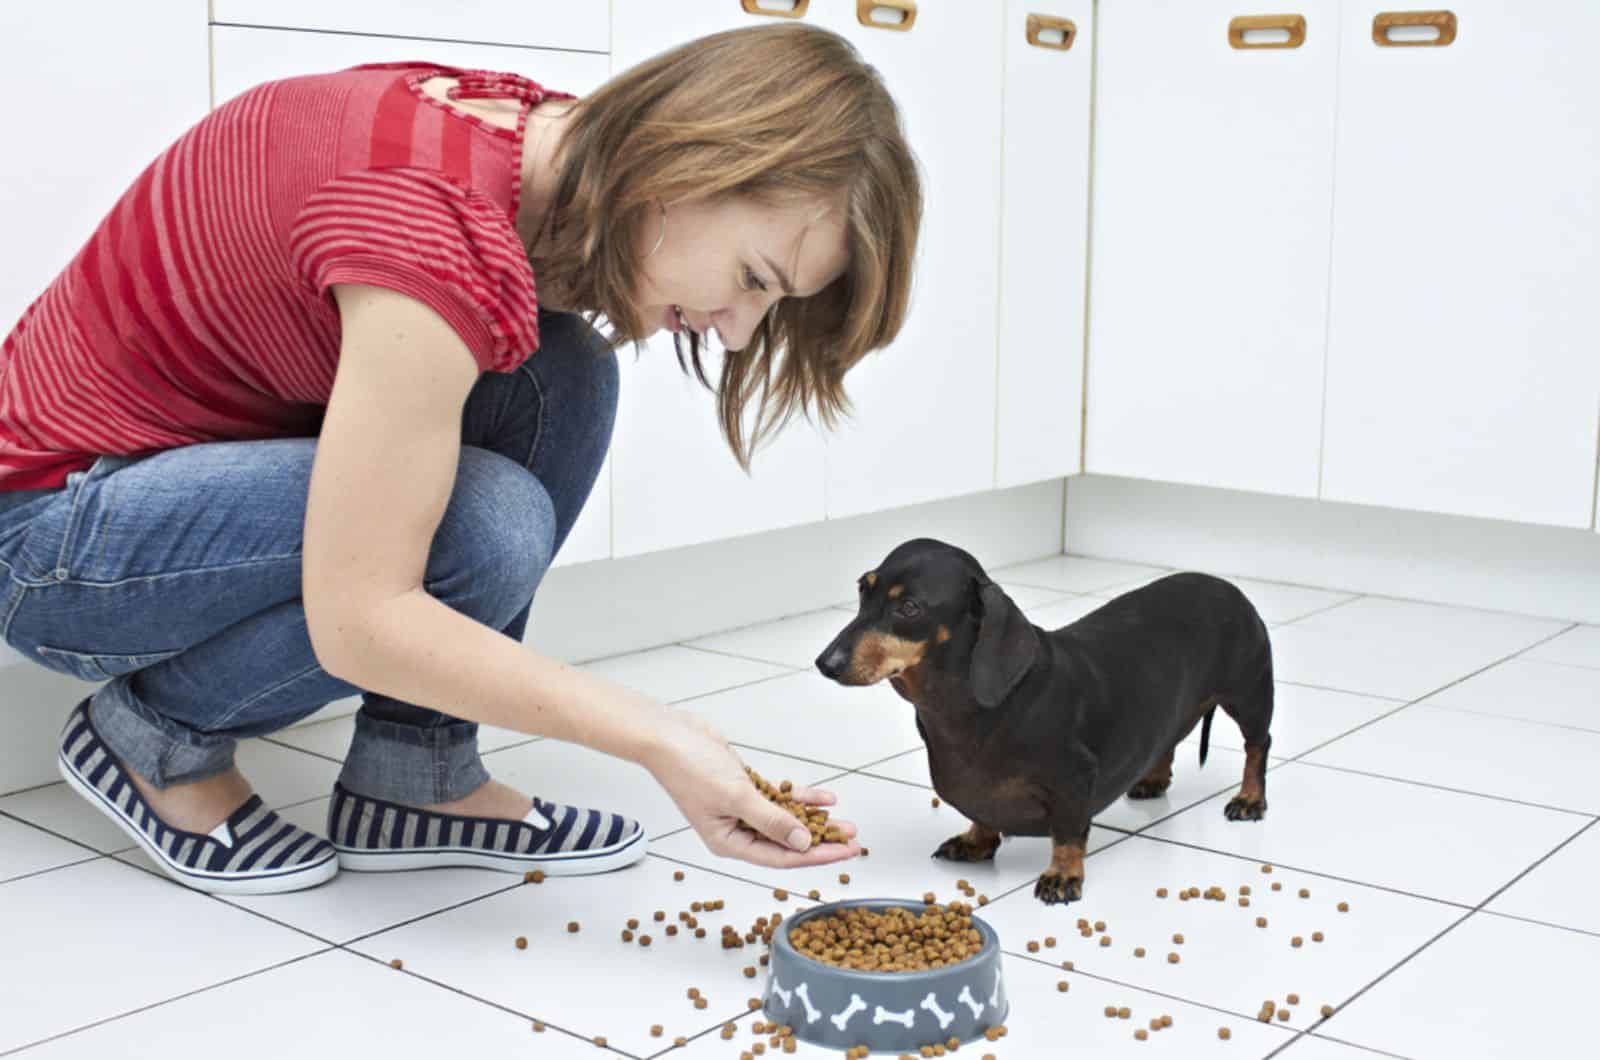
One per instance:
(886,1011)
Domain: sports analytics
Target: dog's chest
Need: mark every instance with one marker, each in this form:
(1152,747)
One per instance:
(986,791)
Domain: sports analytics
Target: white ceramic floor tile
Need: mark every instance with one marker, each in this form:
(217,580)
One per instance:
(901,828)
(1302,718)
(808,716)
(591,982)
(25,849)
(333,1004)
(282,776)
(1359,664)
(1191,783)
(1225,960)
(1312,1047)
(1576,647)
(1488,755)
(1560,891)
(1488,633)
(1490,988)
(1079,574)
(1042,1019)
(676,673)
(1421,840)
(1553,693)
(91,941)
(795,641)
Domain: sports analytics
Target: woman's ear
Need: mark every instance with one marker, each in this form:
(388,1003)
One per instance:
(1006,649)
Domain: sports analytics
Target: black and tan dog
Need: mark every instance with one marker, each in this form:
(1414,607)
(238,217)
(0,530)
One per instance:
(1032,732)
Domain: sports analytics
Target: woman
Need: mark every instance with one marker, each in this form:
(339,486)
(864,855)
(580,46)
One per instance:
(297,423)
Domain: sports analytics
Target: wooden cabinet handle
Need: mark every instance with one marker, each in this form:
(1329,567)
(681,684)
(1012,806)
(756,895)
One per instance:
(1038,24)
(1443,21)
(1294,24)
(796,10)
(907,9)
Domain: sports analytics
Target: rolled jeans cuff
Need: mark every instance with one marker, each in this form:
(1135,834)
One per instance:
(411,764)
(162,751)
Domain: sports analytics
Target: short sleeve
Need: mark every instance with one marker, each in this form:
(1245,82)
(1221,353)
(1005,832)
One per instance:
(420,233)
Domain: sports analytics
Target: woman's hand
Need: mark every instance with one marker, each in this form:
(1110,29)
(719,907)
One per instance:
(694,763)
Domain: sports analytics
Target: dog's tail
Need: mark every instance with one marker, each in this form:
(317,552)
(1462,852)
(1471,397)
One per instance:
(1205,734)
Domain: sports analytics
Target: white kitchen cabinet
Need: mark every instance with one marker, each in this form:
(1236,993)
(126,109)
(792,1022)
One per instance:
(1464,337)
(245,57)
(1043,239)
(1211,231)
(676,481)
(88,112)
(924,408)
(574,24)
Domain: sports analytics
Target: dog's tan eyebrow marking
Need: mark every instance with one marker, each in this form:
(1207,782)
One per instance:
(895,591)
(871,577)
(943,634)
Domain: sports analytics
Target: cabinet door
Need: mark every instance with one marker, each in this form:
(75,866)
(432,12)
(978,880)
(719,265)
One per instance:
(1209,265)
(1043,240)
(87,114)
(676,481)
(1464,340)
(244,57)
(574,24)
(924,408)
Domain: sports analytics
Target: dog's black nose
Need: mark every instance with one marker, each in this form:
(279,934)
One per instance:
(832,662)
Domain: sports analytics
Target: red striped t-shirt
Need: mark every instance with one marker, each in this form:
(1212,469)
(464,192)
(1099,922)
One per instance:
(199,310)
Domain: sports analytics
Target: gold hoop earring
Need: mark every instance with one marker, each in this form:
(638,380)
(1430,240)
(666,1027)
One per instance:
(663,234)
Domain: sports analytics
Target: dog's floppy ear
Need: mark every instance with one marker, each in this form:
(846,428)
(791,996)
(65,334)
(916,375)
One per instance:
(1006,647)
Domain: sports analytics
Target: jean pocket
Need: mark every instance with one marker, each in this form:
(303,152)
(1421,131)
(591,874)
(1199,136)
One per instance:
(97,666)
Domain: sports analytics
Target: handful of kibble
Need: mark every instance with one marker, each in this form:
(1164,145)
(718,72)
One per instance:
(893,940)
(814,818)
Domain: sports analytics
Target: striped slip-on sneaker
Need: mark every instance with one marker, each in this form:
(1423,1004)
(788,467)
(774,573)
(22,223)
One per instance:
(373,835)
(253,852)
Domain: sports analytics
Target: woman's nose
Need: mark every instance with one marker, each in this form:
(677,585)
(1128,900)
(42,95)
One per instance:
(736,325)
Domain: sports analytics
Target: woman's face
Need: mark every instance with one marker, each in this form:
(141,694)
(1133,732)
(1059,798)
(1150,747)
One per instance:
(722,264)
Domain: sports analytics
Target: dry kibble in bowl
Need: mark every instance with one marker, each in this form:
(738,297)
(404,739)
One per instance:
(855,938)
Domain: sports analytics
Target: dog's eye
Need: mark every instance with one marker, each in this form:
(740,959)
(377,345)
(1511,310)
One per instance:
(908,609)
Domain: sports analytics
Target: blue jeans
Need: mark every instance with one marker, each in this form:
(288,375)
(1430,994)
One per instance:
(175,577)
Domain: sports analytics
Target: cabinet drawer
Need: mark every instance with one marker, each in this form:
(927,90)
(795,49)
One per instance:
(578,24)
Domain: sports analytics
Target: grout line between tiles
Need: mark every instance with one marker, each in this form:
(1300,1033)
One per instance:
(167,1001)
(1541,923)
(1443,787)
(1513,717)
(1372,1049)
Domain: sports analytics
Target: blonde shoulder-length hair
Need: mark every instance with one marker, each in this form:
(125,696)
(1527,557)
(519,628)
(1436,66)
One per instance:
(770,112)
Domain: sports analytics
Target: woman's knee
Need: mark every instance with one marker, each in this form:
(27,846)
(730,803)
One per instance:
(495,540)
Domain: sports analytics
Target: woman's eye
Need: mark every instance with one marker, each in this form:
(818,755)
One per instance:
(752,280)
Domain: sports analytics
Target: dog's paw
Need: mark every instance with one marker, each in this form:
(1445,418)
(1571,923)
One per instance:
(964,848)
(1244,808)
(1054,888)
(1148,789)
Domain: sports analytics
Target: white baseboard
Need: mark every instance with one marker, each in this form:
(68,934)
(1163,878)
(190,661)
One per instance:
(609,607)
(1480,563)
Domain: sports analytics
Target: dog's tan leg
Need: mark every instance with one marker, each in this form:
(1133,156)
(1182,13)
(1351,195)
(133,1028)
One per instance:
(1155,782)
(977,843)
(1063,880)
(1251,802)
